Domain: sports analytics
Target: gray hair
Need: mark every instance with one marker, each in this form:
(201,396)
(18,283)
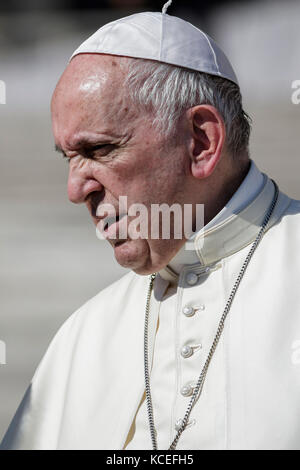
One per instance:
(168,91)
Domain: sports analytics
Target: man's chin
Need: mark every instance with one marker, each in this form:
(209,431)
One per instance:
(133,254)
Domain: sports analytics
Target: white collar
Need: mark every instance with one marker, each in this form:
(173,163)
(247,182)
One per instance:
(233,228)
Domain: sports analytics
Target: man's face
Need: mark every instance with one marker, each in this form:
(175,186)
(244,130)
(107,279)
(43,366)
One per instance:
(114,151)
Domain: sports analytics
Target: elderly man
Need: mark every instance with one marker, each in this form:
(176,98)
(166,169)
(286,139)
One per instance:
(203,355)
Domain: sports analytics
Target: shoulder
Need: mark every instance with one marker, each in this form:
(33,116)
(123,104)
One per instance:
(124,285)
(293,207)
(286,209)
(114,307)
(107,304)
(285,231)
(290,216)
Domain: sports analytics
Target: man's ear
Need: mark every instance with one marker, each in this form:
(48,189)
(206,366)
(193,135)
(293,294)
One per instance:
(207,136)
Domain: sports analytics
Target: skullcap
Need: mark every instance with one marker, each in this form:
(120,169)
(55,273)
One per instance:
(161,37)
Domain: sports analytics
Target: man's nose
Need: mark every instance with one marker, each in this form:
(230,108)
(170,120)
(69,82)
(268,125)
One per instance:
(81,184)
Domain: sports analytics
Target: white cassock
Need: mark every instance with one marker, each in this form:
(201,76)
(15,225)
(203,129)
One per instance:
(88,391)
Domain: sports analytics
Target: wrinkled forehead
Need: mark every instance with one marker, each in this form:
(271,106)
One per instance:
(92,84)
(91,76)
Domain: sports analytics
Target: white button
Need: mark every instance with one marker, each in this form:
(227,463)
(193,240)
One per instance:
(186,351)
(188,311)
(186,390)
(191,279)
(178,424)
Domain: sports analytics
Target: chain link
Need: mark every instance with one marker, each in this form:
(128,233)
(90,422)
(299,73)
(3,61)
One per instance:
(198,389)
(146,366)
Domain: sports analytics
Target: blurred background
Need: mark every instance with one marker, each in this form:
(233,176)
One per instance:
(51,260)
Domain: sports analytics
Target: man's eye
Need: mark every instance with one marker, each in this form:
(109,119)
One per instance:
(102,149)
(98,147)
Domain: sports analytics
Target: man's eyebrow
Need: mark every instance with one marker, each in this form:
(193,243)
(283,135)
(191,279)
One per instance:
(81,143)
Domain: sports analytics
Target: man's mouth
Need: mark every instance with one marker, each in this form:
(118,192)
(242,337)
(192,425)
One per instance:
(110,220)
(111,229)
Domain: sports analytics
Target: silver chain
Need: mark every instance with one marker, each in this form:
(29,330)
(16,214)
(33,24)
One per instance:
(200,382)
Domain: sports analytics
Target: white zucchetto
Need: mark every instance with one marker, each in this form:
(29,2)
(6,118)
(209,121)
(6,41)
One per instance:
(160,37)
